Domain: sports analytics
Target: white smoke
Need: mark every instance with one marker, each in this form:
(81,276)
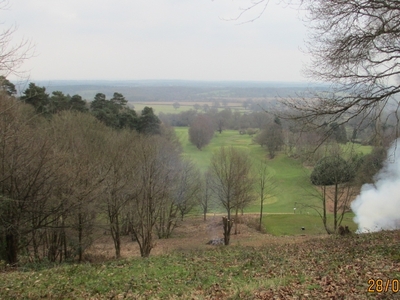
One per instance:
(378,205)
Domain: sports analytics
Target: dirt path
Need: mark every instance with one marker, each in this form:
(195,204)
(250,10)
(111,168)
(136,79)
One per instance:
(193,234)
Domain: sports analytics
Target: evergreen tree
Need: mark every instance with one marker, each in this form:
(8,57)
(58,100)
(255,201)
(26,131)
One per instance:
(58,102)
(7,86)
(148,122)
(127,119)
(37,97)
(77,103)
(119,100)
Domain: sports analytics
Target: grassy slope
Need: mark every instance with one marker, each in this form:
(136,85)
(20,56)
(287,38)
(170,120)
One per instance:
(292,184)
(329,268)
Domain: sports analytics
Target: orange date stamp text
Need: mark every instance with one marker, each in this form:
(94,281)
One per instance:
(383,285)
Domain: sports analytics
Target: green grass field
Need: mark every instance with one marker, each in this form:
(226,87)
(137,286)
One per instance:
(162,107)
(292,224)
(167,108)
(351,148)
(226,138)
(292,186)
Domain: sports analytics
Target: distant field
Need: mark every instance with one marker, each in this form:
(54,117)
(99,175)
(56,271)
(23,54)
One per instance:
(167,107)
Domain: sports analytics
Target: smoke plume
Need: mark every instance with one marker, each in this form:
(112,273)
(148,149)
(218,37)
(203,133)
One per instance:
(378,205)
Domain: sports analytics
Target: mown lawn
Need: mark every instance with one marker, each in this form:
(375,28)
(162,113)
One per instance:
(290,186)
(292,224)
(290,179)
(226,138)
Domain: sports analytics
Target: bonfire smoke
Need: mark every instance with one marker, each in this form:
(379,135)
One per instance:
(378,205)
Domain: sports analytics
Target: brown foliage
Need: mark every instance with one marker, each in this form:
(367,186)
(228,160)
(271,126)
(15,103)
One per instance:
(201,131)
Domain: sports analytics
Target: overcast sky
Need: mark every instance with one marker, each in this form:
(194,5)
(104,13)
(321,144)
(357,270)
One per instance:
(158,39)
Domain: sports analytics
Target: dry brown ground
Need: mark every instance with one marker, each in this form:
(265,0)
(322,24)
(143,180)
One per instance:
(193,234)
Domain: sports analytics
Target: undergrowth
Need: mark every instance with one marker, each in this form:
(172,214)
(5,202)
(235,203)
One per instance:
(325,268)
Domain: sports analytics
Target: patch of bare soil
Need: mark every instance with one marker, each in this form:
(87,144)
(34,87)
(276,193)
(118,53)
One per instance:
(193,234)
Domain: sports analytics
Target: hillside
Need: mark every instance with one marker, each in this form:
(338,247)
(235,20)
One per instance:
(329,268)
(285,262)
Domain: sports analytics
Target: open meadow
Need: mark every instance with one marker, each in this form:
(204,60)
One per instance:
(168,107)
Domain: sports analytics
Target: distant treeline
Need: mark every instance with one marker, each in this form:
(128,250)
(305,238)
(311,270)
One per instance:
(178,90)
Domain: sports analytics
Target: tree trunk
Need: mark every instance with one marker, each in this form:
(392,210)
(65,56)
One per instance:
(324,219)
(335,208)
(12,248)
(63,244)
(35,246)
(116,236)
(80,235)
(53,247)
(227,223)
(236,221)
(261,208)
(145,243)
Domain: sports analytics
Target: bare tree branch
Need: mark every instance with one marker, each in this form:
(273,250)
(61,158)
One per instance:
(12,54)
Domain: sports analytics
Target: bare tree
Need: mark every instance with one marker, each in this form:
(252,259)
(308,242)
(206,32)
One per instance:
(223,119)
(231,182)
(182,195)
(175,196)
(271,137)
(117,190)
(205,194)
(201,131)
(334,171)
(354,48)
(81,139)
(265,186)
(244,193)
(155,174)
(335,187)
(187,187)
(12,54)
(29,169)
